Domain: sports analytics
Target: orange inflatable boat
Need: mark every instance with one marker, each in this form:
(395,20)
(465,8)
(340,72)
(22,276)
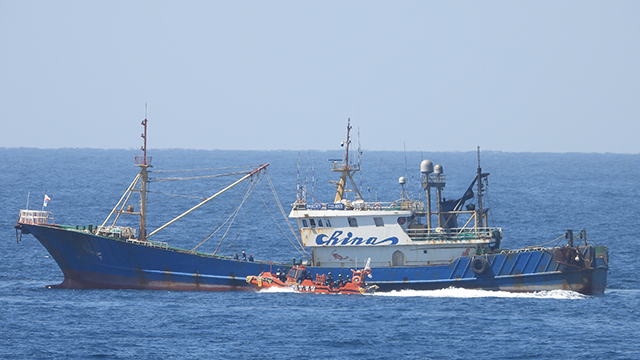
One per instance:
(301,280)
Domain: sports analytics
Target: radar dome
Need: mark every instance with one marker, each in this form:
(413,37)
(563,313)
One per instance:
(438,169)
(401,180)
(426,167)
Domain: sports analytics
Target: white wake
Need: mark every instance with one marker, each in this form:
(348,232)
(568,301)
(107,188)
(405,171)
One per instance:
(469,293)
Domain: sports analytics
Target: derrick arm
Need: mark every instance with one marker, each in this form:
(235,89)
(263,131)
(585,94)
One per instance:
(208,199)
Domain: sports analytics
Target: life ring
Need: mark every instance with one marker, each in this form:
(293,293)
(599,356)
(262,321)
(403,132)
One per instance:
(356,279)
(377,207)
(479,265)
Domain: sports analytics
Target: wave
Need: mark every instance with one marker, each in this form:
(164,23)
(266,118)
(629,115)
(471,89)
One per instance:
(276,289)
(474,293)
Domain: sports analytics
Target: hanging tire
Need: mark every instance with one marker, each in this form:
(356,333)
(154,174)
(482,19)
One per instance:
(479,265)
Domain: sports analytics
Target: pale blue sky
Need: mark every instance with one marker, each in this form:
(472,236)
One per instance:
(550,76)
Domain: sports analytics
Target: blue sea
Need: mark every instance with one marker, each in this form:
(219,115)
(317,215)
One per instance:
(533,197)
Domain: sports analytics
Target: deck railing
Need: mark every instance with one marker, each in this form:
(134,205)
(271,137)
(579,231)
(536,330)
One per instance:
(142,160)
(466,234)
(156,244)
(362,205)
(35,217)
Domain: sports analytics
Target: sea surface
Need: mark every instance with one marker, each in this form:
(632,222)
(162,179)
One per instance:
(533,197)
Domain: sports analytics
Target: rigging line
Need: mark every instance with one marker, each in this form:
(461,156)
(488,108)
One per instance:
(306,175)
(294,245)
(549,242)
(282,212)
(133,184)
(249,198)
(282,230)
(274,194)
(313,175)
(246,197)
(178,195)
(235,240)
(488,200)
(279,205)
(244,214)
(313,197)
(222,168)
(406,172)
(298,192)
(199,177)
(222,223)
(188,194)
(229,218)
(235,214)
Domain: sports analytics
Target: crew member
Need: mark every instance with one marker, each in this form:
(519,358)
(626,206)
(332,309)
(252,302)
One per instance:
(329,281)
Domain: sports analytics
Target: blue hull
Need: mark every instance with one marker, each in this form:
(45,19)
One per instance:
(96,262)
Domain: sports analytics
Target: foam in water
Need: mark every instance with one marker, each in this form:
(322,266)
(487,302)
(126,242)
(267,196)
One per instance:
(469,293)
(276,289)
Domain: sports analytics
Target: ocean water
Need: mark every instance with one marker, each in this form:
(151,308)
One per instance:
(534,197)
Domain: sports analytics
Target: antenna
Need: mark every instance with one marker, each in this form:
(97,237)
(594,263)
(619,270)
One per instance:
(406,172)
(346,155)
(298,192)
(306,175)
(483,216)
(359,155)
(313,177)
(144,136)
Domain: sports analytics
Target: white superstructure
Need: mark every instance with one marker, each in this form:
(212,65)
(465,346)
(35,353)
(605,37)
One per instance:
(345,233)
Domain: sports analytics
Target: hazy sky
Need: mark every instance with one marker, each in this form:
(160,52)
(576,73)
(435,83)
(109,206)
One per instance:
(551,76)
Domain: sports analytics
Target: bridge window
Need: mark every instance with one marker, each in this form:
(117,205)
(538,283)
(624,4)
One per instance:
(378,221)
(312,222)
(327,222)
(353,222)
(304,223)
(320,223)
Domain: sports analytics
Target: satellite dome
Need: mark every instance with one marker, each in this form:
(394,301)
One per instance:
(438,169)
(401,180)
(426,167)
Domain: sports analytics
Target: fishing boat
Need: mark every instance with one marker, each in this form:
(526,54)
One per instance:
(411,246)
(411,243)
(110,256)
(301,279)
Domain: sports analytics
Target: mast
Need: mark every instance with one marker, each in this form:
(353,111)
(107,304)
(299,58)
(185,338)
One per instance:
(482,213)
(346,171)
(144,163)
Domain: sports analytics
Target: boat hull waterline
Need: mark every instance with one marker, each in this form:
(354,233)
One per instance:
(89,261)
